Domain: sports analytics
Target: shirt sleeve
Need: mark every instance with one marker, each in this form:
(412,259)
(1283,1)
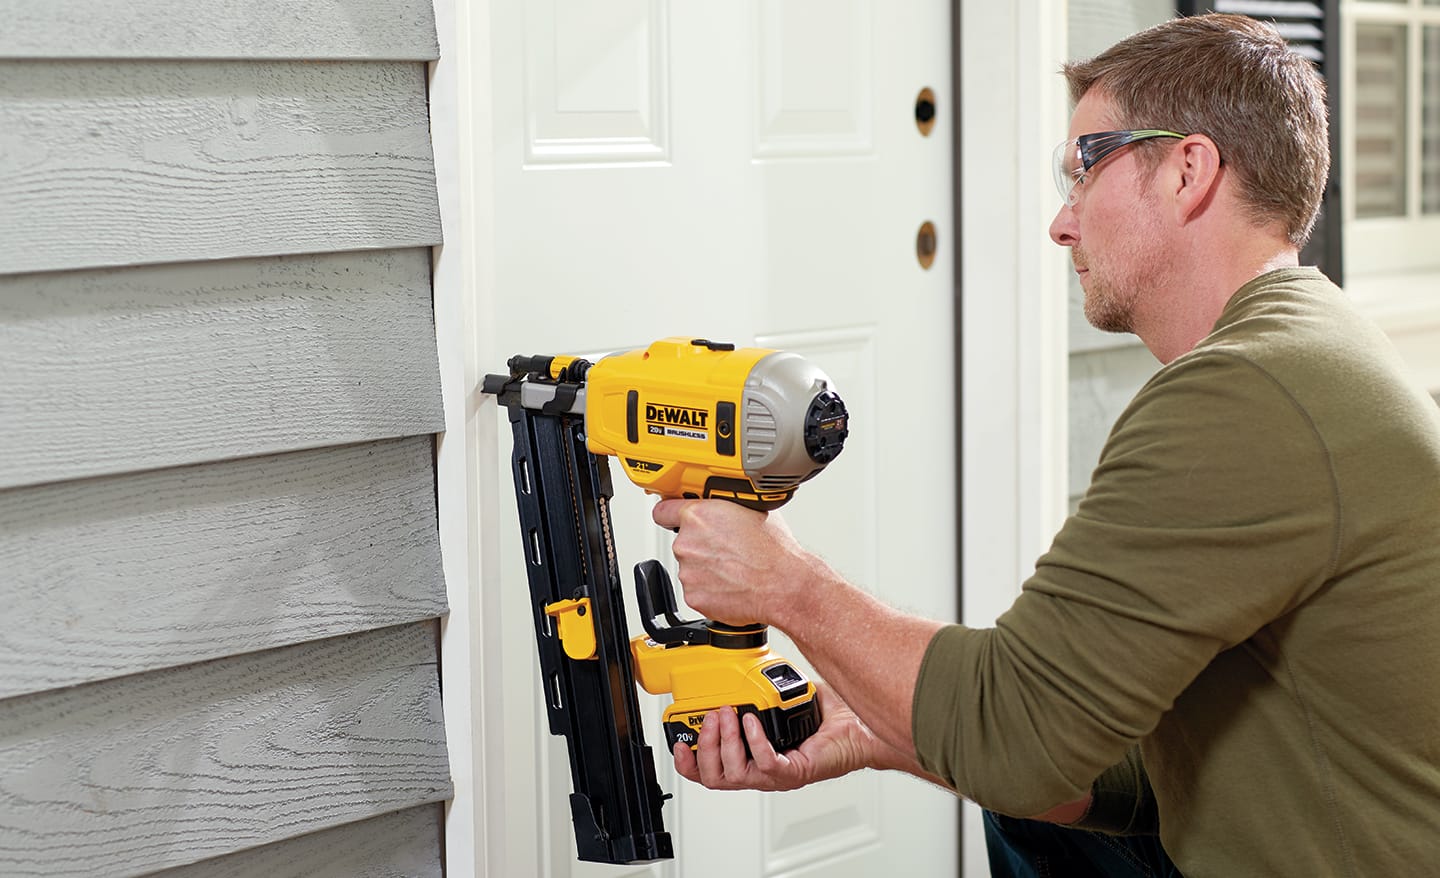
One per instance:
(1212,512)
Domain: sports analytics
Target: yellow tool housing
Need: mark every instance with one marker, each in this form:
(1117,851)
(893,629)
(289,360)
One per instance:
(693,418)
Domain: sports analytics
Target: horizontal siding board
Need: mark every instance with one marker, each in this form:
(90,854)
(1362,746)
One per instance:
(113,370)
(258,29)
(144,162)
(405,844)
(118,575)
(128,776)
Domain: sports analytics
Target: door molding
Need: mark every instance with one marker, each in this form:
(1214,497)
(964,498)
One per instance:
(1011,288)
(1011,307)
(466,472)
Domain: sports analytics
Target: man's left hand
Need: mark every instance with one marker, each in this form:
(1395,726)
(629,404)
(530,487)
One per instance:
(841,745)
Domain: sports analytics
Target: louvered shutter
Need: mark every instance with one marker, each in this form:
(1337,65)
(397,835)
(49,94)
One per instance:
(1380,136)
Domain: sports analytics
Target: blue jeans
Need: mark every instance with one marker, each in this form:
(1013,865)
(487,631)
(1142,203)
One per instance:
(1032,849)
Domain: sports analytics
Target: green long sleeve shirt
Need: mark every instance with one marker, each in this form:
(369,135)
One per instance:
(1250,592)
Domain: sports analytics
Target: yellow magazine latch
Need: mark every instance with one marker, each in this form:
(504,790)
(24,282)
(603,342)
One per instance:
(576,627)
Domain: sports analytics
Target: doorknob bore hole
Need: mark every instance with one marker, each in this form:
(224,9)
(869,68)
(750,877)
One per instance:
(925,111)
(925,245)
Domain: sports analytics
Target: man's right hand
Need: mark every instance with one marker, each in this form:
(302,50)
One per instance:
(735,564)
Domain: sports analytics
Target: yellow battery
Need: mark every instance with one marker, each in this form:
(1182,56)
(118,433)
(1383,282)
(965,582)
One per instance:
(705,677)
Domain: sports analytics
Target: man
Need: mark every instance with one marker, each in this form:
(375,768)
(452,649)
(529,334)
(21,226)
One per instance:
(1236,638)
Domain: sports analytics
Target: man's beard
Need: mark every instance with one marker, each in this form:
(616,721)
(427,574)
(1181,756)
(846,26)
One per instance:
(1132,267)
(1110,296)
(1109,310)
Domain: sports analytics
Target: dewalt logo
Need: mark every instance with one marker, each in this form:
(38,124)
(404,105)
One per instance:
(677,422)
(676,416)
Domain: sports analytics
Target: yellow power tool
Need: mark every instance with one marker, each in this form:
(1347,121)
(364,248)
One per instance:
(693,418)
(685,418)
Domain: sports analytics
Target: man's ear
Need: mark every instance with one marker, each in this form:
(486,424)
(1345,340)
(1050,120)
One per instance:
(1196,166)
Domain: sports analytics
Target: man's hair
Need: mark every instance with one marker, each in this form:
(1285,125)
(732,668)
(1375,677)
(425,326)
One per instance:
(1234,79)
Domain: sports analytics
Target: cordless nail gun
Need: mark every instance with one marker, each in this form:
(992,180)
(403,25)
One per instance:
(685,418)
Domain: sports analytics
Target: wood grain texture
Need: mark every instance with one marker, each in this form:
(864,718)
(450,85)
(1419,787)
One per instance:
(128,776)
(271,29)
(122,164)
(112,576)
(400,845)
(119,370)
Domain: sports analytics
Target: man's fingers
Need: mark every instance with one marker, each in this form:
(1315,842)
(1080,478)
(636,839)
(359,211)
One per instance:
(667,513)
(685,763)
(720,762)
(707,754)
(766,759)
(732,745)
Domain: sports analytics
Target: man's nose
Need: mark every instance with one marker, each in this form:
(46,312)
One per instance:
(1063,228)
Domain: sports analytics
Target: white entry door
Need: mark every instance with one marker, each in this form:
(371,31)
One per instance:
(748,171)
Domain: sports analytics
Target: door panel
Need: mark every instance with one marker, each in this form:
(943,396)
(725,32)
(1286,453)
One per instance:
(748,172)
(814,74)
(596,78)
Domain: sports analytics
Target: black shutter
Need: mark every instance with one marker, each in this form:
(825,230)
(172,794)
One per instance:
(1313,30)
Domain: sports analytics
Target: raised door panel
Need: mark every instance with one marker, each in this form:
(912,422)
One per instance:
(597,81)
(813,75)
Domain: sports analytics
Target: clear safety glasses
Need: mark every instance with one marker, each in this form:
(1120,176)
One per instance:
(1075,158)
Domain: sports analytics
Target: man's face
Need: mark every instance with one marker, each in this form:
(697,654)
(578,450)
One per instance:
(1112,229)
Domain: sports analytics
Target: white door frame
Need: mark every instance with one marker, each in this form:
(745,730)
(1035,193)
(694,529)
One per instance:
(1013,279)
(1013,359)
(466,467)
(1013,288)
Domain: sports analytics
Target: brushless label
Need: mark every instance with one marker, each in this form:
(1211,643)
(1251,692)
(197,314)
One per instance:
(681,422)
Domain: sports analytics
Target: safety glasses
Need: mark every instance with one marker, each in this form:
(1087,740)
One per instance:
(1075,158)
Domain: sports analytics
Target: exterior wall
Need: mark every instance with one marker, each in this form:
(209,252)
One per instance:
(219,561)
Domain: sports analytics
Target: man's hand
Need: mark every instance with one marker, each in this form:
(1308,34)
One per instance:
(736,565)
(841,745)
